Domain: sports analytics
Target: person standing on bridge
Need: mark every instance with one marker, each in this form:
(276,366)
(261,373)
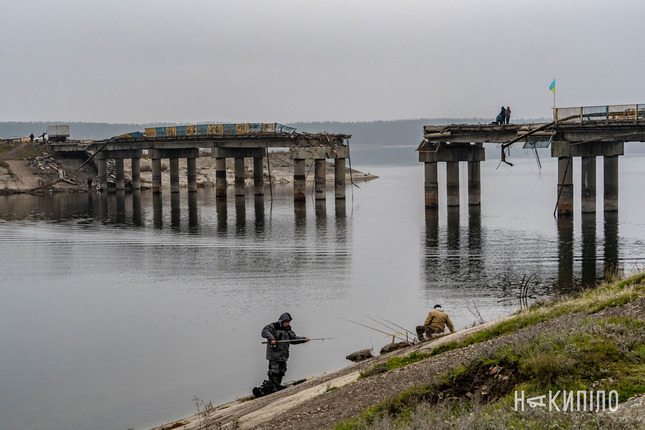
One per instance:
(435,323)
(508,114)
(279,336)
(501,118)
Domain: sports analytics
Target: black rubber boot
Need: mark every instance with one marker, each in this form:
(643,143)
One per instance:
(274,378)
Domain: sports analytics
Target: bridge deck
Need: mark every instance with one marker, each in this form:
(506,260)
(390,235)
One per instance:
(612,131)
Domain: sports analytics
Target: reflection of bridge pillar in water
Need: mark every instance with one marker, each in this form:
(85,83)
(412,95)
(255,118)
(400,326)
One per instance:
(221,207)
(565,251)
(103,206)
(321,216)
(259,214)
(175,211)
(137,218)
(120,207)
(453,228)
(340,208)
(240,214)
(431,259)
(157,210)
(220,178)
(193,217)
(611,243)
(588,249)
(474,228)
(300,213)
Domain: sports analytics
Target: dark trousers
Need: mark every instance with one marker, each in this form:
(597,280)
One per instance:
(426,330)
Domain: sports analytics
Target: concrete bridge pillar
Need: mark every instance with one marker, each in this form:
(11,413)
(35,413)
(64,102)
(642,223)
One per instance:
(258,176)
(320,178)
(565,186)
(120,174)
(452,183)
(102,167)
(339,178)
(174,175)
(474,184)
(588,184)
(220,177)
(610,167)
(299,182)
(156,175)
(191,167)
(239,176)
(431,185)
(136,173)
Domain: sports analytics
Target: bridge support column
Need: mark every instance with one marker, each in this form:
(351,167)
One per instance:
(452,183)
(239,176)
(191,167)
(136,173)
(588,201)
(320,178)
(610,167)
(156,175)
(258,176)
(339,178)
(102,167)
(565,186)
(431,185)
(220,178)
(474,184)
(174,175)
(120,174)
(299,182)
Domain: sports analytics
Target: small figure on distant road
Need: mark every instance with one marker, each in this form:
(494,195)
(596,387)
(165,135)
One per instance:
(31,137)
(435,323)
(89,183)
(508,114)
(279,336)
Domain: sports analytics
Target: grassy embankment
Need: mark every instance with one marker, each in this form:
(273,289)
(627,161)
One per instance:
(593,353)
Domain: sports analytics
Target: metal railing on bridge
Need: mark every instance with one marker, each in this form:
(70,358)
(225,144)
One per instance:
(599,113)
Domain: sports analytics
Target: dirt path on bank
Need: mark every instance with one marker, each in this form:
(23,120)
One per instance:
(312,405)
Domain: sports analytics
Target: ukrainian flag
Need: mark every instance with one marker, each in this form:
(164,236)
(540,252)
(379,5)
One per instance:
(552,86)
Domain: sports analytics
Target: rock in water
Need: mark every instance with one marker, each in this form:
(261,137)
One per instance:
(394,346)
(361,355)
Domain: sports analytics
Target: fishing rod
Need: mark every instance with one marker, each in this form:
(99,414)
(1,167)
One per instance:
(297,340)
(393,335)
(396,325)
(391,328)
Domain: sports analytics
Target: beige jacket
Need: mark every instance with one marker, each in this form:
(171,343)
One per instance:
(437,320)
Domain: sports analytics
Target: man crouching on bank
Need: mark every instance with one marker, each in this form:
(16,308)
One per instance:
(279,336)
(435,323)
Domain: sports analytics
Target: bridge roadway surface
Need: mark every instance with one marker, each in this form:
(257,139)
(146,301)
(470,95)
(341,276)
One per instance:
(610,131)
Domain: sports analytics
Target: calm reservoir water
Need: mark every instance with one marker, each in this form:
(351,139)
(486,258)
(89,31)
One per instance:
(115,312)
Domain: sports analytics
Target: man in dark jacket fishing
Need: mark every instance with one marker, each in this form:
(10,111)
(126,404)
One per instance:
(279,336)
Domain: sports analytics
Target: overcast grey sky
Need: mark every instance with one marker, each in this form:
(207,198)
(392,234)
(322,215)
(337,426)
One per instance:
(309,60)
